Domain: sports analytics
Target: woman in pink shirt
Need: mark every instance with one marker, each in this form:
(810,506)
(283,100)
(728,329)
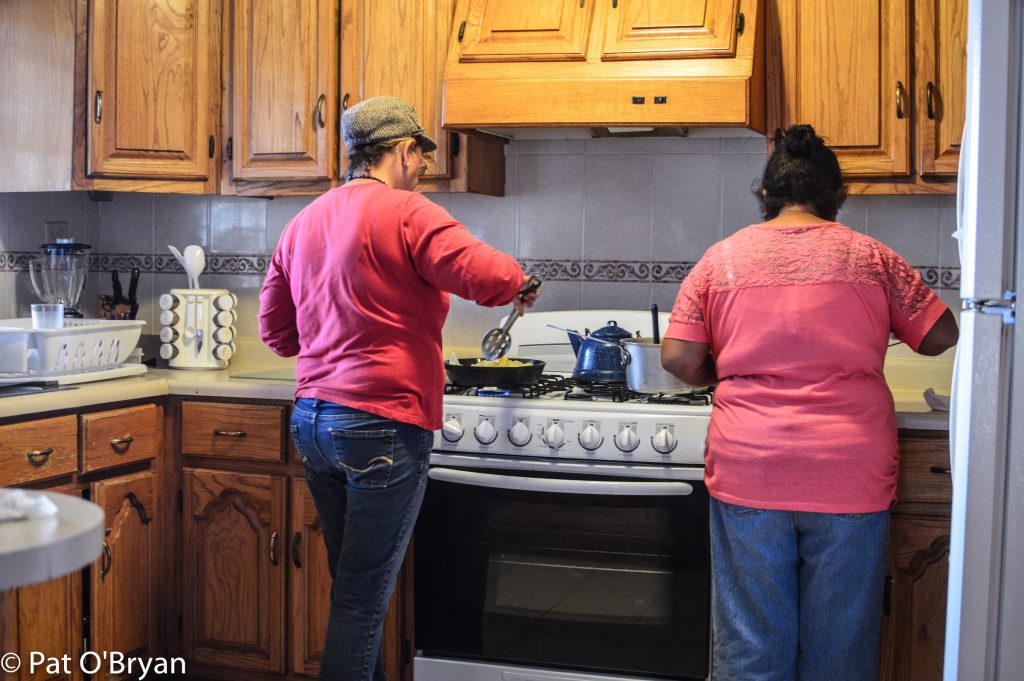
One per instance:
(791,319)
(358,290)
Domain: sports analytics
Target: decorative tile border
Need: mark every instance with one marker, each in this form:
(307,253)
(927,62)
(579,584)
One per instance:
(637,271)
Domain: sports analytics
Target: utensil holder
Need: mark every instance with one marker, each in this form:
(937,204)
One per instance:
(198,327)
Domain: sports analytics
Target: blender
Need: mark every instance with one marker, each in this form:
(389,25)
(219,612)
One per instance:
(58,273)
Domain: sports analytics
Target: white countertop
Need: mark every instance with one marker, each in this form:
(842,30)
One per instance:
(34,551)
(911,410)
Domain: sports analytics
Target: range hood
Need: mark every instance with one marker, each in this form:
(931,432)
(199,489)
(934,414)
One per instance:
(585,68)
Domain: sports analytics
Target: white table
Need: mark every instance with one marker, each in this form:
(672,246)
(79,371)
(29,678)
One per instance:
(34,551)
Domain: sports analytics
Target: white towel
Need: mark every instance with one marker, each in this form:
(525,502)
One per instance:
(935,401)
(15,504)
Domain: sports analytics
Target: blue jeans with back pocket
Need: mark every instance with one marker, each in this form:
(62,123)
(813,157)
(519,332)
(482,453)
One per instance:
(367,475)
(796,596)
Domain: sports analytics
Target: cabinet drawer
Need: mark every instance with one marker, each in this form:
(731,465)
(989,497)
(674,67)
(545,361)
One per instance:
(234,431)
(924,477)
(120,436)
(37,450)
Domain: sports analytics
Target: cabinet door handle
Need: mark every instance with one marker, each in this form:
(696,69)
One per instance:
(106,560)
(297,550)
(899,99)
(615,3)
(229,433)
(97,106)
(121,441)
(887,596)
(273,548)
(344,103)
(929,99)
(320,111)
(37,457)
(939,470)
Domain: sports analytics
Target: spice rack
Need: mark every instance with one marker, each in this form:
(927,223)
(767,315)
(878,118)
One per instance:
(198,327)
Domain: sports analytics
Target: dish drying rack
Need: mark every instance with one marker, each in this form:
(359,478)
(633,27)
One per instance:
(83,350)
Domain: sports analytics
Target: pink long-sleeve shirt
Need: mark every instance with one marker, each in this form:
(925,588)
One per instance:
(359,287)
(798,321)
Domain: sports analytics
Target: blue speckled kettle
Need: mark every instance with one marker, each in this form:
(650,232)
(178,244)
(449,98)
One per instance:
(599,354)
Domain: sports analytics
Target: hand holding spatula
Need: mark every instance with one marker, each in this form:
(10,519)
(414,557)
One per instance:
(497,341)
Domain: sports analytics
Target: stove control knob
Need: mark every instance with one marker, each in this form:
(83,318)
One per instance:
(452,430)
(627,439)
(485,432)
(664,441)
(590,438)
(554,436)
(519,434)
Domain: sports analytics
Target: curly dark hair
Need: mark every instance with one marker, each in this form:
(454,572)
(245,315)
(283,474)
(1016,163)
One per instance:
(360,159)
(801,170)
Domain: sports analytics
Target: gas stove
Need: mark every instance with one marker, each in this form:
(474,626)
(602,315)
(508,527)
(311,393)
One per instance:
(561,419)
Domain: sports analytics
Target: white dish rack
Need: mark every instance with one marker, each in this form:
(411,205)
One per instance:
(82,347)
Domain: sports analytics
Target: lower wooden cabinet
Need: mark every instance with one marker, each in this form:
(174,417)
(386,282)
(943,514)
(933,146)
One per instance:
(914,625)
(309,583)
(124,587)
(234,569)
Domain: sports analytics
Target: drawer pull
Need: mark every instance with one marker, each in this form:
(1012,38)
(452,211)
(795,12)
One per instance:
(106,560)
(229,433)
(38,457)
(121,441)
(939,470)
(273,548)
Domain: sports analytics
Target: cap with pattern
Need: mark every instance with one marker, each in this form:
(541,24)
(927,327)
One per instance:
(383,118)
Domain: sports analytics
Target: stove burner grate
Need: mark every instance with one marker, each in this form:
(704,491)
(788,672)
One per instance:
(575,389)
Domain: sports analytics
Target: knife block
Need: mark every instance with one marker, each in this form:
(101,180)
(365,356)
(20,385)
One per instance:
(198,327)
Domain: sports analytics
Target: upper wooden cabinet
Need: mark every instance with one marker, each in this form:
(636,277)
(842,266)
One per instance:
(148,92)
(525,30)
(603,63)
(881,80)
(284,89)
(671,30)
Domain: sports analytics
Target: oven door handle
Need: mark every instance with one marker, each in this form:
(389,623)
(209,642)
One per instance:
(561,485)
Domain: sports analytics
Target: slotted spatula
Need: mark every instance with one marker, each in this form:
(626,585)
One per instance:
(497,341)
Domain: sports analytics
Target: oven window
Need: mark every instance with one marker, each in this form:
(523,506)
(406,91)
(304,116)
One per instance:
(614,584)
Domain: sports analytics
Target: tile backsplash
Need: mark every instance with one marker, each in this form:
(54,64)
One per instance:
(608,223)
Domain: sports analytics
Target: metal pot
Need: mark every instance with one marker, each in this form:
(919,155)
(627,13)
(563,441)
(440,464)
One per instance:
(599,354)
(644,373)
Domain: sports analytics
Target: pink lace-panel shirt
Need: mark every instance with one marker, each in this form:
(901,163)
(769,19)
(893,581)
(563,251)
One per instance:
(798,320)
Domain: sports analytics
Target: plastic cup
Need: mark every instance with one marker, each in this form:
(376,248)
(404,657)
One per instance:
(47,316)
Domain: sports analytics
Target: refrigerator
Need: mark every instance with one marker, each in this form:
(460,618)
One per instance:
(985,607)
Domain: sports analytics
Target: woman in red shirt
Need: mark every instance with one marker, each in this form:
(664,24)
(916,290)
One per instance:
(791,318)
(358,289)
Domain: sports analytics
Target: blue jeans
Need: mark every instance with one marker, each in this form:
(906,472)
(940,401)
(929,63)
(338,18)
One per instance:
(367,475)
(796,595)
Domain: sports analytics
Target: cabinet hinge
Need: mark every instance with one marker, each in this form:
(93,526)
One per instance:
(456,144)
(462,30)
(230,151)
(1005,307)
(741,23)
(212,146)
(181,501)
(406,651)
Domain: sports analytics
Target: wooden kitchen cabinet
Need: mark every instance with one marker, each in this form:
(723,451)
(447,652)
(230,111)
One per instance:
(235,431)
(233,570)
(914,624)
(881,80)
(250,532)
(147,103)
(282,94)
(124,593)
(374,63)
(38,449)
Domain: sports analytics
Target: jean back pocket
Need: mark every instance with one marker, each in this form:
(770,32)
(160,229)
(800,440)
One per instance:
(365,456)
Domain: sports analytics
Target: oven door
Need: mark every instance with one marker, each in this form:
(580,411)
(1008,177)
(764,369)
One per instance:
(596,573)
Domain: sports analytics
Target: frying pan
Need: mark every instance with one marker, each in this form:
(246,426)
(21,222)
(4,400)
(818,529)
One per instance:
(464,373)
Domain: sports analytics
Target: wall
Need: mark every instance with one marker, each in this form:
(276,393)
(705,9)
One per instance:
(609,223)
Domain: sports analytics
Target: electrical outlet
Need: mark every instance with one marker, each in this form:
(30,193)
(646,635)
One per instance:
(56,230)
